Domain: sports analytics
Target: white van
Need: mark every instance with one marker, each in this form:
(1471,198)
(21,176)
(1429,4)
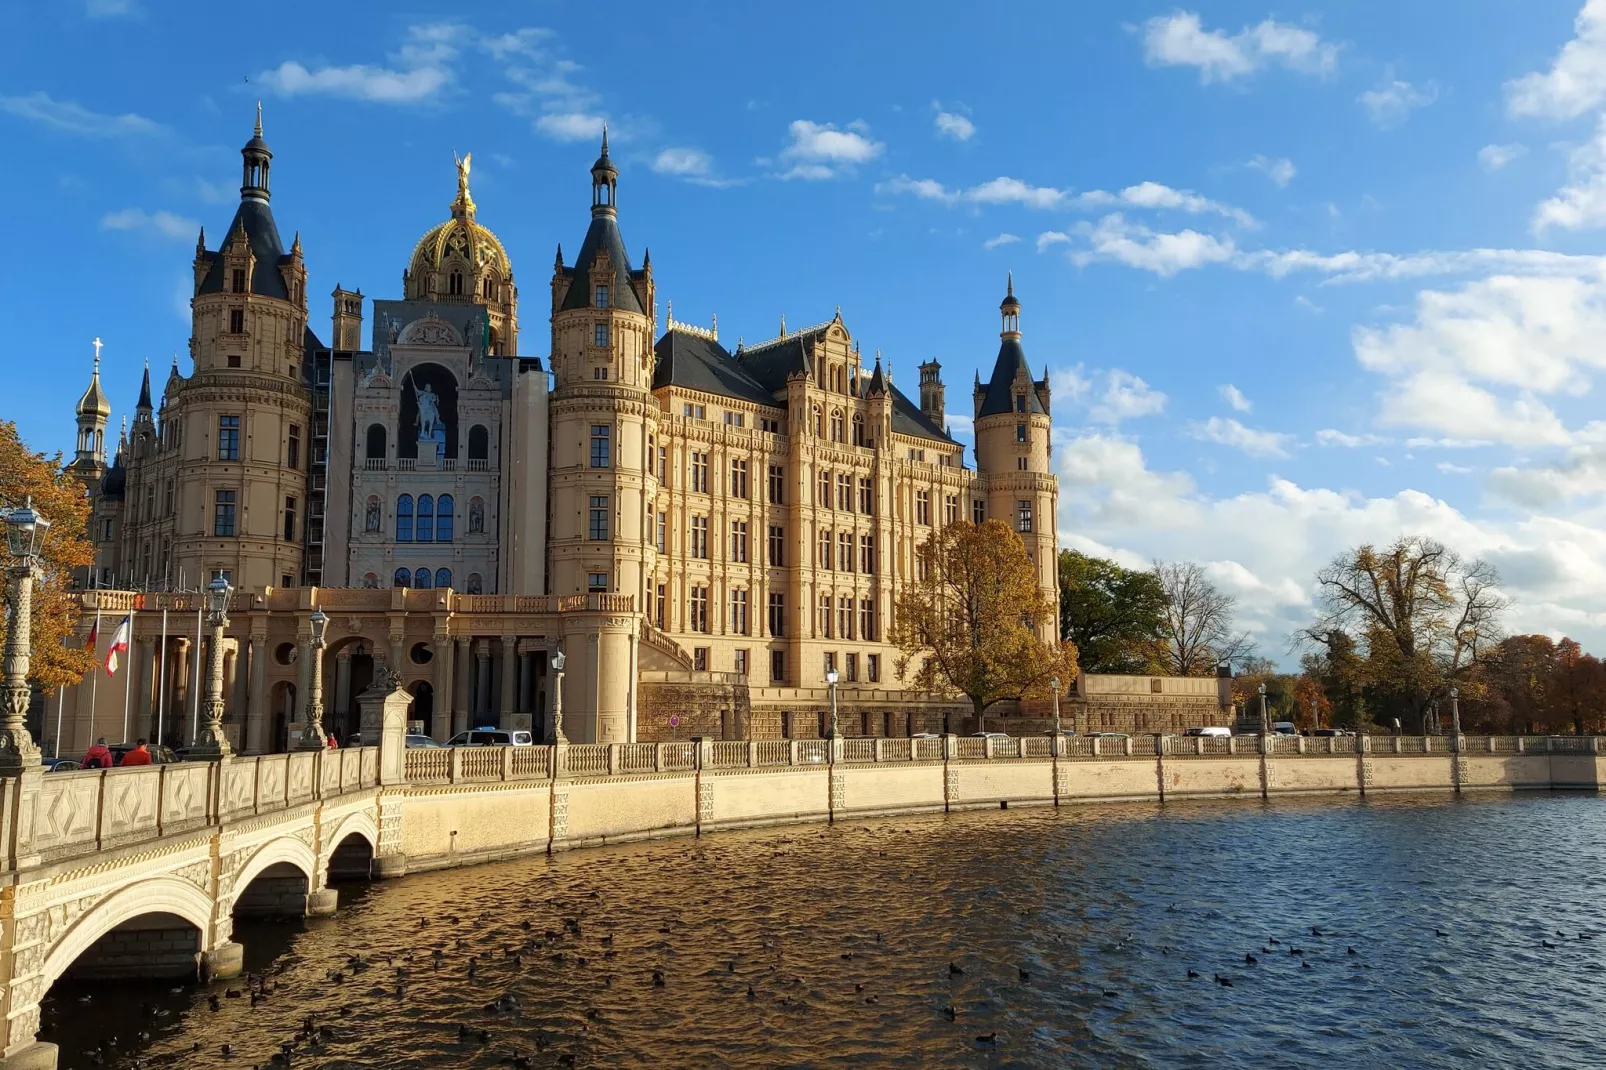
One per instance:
(1214,731)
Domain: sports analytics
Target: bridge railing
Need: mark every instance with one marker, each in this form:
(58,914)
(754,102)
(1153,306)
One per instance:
(91,810)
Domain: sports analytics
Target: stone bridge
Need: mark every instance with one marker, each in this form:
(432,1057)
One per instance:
(141,872)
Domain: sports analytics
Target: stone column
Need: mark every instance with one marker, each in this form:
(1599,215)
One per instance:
(256,709)
(510,674)
(462,675)
(445,700)
(525,671)
(398,647)
(482,681)
(342,703)
(147,691)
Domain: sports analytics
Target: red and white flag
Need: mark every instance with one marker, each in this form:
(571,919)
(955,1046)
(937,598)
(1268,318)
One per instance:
(119,645)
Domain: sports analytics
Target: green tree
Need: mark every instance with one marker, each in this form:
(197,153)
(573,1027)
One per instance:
(1114,616)
(968,623)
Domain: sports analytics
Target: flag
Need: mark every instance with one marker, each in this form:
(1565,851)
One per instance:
(119,645)
(94,634)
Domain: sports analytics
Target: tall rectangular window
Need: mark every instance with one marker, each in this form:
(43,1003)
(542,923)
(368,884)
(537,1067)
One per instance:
(292,447)
(844,493)
(699,537)
(1020,432)
(867,554)
(699,472)
(237,321)
(950,509)
(825,490)
(289,519)
(852,665)
(738,479)
(599,445)
(867,619)
(599,517)
(597,583)
(602,297)
(1023,515)
(923,507)
(844,550)
(777,484)
(738,547)
(663,465)
(823,560)
(662,600)
(228,438)
(699,658)
(223,513)
(830,666)
(825,616)
(777,546)
(237,281)
(978,512)
(844,617)
(866,497)
(777,614)
(777,674)
(697,616)
(599,335)
(738,621)
(741,662)
(872,665)
(663,524)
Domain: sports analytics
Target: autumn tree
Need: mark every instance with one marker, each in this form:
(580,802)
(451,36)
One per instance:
(1577,689)
(1197,630)
(1114,616)
(969,622)
(1336,668)
(60,499)
(1423,615)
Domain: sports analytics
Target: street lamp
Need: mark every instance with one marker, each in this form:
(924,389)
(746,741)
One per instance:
(1455,711)
(25,534)
(1054,682)
(557,698)
(1265,725)
(213,744)
(830,682)
(312,731)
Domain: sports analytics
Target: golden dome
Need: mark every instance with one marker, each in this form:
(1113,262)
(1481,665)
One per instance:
(460,244)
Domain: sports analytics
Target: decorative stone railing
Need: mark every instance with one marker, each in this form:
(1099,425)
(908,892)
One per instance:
(92,810)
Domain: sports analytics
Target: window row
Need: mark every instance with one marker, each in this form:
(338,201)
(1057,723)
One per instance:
(839,427)
(432,521)
(837,618)
(844,499)
(872,667)
(835,552)
(423,579)
(377,438)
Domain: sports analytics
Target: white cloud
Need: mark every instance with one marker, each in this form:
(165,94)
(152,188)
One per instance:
(1005,190)
(1494,157)
(682,161)
(952,124)
(162,223)
(1328,436)
(1235,397)
(1280,169)
(74,118)
(571,126)
(823,150)
(1307,304)
(1124,397)
(1002,239)
(357,82)
(1013,191)
(1156,195)
(1051,237)
(1250,440)
(928,189)
(1576,81)
(1581,204)
(1453,469)
(1393,101)
(1113,238)
(1180,39)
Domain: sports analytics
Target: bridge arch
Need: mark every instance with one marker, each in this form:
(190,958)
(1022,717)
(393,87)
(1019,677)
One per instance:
(155,895)
(351,846)
(286,850)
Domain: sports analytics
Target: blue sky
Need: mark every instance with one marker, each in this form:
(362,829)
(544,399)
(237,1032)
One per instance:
(1304,275)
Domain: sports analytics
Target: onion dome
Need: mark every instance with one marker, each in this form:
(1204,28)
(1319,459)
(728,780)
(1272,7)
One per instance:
(457,253)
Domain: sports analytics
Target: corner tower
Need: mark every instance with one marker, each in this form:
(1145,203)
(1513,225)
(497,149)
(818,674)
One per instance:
(1014,449)
(604,422)
(89,462)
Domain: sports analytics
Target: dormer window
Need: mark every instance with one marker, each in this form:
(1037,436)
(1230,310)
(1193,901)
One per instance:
(602,297)
(1020,402)
(599,335)
(237,282)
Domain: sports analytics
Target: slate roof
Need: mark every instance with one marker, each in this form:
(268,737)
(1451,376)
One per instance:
(907,419)
(1000,395)
(263,234)
(603,235)
(773,362)
(697,363)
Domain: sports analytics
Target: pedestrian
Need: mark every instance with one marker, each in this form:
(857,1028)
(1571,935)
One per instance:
(138,756)
(97,757)
(332,742)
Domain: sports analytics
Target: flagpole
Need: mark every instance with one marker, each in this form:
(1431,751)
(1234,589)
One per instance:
(94,677)
(161,680)
(128,681)
(195,692)
(56,750)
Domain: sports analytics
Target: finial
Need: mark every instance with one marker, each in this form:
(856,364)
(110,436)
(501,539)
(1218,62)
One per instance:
(878,356)
(258,130)
(97,344)
(605,139)
(671,305)
(716,326)
(175,362)
(839,310)
(783,324)
(559,263)
(646,259)
(295,246)
(1011,278)
(200,243)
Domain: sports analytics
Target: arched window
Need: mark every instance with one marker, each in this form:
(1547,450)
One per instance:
(370,580)
(454,285)
(403,578)
(819,423)
(475,584)
(376,442)
(858,429)
(479,443)
(404,518)
(488,288)
(421,579)
(443,521)
(836,426)
(443,577)
(426,520)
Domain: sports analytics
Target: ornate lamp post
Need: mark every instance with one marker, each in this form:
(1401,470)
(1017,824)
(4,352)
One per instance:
(312,731)
(1455,711)
(1054,682)
(25,534)
(1265,725)
(557,699)
(213,744)
(830,682)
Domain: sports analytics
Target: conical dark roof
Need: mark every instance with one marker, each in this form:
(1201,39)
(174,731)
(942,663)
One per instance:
(145,389)
(603,237)
(1000,396)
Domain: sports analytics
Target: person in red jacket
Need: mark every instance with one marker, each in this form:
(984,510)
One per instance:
(97,757)
(138,756)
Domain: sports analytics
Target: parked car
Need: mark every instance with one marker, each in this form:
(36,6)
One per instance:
(420,741)
(1332,732)
(1209,730)
(926,735)
(492,737)
(1284,728)
(414,739)
(59,765)
(1109,735)
(989,735)
(160,755)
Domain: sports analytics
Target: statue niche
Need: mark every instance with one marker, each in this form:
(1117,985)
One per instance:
(428,417)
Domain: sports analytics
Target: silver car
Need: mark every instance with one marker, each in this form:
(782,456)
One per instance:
(492,737)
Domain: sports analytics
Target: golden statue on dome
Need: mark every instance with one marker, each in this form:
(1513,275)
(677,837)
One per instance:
(464,201)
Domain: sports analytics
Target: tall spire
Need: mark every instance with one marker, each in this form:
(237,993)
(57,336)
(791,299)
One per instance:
(94,403)
(256,158)
(258,130)
(145,390)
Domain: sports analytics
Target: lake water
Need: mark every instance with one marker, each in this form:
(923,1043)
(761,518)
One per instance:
(830,946)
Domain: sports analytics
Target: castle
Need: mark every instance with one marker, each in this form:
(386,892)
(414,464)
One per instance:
(703,532)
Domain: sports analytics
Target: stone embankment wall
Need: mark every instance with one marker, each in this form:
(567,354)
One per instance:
(467,806)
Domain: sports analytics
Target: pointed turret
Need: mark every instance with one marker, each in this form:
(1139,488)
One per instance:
(144,404)
(603,242)
(257,158)
(1011,387)
(92,413)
